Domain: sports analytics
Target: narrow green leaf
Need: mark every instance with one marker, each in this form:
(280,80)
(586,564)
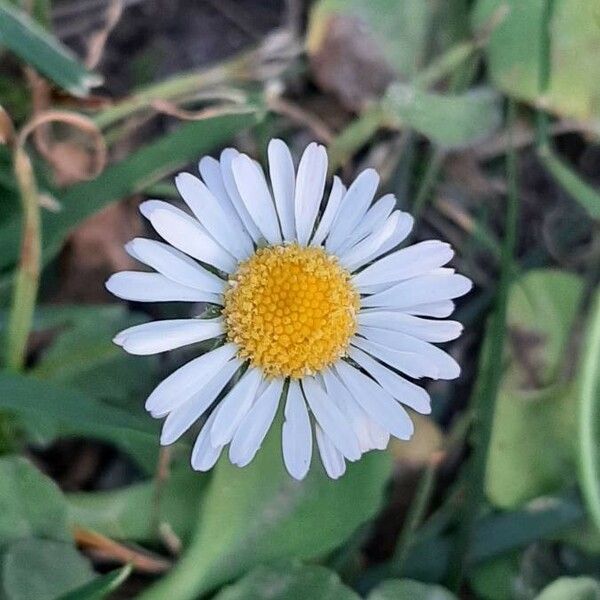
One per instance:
(100,587)
(32,44)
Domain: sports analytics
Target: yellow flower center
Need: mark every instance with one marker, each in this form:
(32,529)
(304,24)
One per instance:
(291,310)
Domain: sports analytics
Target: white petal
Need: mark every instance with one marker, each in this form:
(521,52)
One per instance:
(227,157)
(331,419)
(186,234)
(174,265)
(331,457)
(187,380)
(160,336)
(283,181)
(424,289)
(353,207)
(310,184)
(255,194)
(181,418)
(405,263)
(154,287)
(377,403)
(411,363)
(214,219)
(362,253)
(210,169)
(233,408)
(440,310)
(204,454)
(149,206)
(403,228)
(446,366)
(296,435)
(254,426)
(372,222)
(403,390)
(330,212)
(424,329)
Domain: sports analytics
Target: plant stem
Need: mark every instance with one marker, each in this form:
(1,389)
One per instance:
(28,273)
(487,387)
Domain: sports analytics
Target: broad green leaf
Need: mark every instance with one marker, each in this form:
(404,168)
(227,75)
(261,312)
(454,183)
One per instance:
(259,514)
(32,44)
(130,513)
(100,587)
(41,569)
(145,166)
(514,51)
(448,120)
(407,589)
(288,581)
(74,413)
(534,434)
(31,505)
(571,588)
(496,578)
(398,27)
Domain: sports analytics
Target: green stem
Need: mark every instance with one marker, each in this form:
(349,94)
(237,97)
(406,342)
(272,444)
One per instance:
(28,273)
(428,181)
(486,391)
(589,419)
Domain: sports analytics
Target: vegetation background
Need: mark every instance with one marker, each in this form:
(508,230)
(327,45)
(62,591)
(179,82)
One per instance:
(483,117)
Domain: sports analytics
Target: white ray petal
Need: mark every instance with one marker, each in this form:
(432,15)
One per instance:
(403,228)
(174,264)
(404,391)
(154,287)
(189,379)
(331,419)
(414,365)
(441,309)
(182,417)
(424,329)
(227,157)
(254,426)
(423,289)
(362,253)
(331,457)
(352,209)
(213,217)
(333,203)
(310,184)
(160,336)
(256,196)
(185,233)
(283,181)
(405,263)
(204,454)
(233,408)
(377,402)
(296,435)
(149,206)
(446,366)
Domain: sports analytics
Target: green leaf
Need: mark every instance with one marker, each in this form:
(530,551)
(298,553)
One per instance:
(74,413)
(40,569)
(259,513)
(100,587)
(515,49)
(130,513)
(291,581)
(534,411)
(406,589)
(31,505)
(571,588)
(32,44)
(148,165)
(450,121)
(496,578)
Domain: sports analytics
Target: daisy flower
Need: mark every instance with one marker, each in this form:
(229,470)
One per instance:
(316,309)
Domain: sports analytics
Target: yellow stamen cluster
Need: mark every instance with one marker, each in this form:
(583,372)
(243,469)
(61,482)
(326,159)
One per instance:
(291,310)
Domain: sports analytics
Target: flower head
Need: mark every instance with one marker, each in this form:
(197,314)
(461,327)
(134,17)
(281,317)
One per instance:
(318,310)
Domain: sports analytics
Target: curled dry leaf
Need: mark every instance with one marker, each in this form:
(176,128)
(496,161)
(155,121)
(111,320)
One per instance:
(7,130)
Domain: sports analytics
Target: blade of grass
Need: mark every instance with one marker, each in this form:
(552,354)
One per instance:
(100,587)
(32,44)
(484,399)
